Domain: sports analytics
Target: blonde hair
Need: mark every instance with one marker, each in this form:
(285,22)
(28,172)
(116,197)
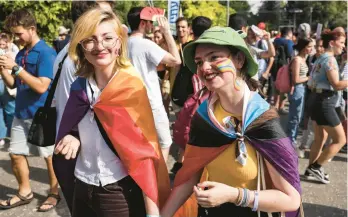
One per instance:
(84,28)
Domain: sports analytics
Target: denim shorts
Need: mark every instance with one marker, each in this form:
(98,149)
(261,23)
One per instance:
(19,144)
(324,111)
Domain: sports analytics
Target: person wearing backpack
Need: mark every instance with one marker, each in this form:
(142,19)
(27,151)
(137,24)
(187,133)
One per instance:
(283,49)
(180,135)
(298,72)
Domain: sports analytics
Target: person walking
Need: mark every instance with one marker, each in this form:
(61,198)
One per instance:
(299,78)
(32,72)
(326,82)
(120,170)
(232,135)
(146,55)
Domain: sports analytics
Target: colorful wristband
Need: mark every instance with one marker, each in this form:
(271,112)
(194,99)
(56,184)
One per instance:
(256,201)
(153,216)
(18,71)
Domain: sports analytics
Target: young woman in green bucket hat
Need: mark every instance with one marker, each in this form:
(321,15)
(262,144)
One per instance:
(235,135)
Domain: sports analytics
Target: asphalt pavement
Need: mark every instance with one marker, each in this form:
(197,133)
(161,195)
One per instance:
(319,200)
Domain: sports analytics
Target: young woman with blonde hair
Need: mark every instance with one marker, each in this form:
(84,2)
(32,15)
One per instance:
(108,126)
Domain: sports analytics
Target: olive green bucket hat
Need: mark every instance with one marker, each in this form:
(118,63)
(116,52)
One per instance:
(220,36)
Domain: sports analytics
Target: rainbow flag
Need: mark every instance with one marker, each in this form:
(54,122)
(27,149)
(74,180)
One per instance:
(124,112)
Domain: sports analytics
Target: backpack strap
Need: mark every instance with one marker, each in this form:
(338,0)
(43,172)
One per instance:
(52,90)
(105,136)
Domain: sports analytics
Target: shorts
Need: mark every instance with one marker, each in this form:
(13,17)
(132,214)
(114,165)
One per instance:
(162,127)
(324,111)
(19,144)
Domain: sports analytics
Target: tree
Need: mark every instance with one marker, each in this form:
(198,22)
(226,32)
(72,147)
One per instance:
(49,14)
(330,14)
(211,9)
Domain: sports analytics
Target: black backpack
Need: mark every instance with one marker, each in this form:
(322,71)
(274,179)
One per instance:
(280,59)
(182,87)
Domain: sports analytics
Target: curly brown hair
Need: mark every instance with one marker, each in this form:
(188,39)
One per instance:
(21,17)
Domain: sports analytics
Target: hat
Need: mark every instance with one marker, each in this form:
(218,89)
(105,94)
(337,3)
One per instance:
(262,25)
(304,29)
(257,30)
(150,13)
(62,30)
(220,36)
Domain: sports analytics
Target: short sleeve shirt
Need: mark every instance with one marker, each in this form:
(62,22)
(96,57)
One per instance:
(38,62)
(323,64)
(145,56)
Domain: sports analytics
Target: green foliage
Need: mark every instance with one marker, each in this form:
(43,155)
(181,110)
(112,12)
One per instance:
(329,13)
(49,14)
(212,9)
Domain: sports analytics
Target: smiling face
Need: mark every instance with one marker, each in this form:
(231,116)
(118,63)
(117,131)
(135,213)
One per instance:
(338,45)
(25,35)
(103,47)
(215,67)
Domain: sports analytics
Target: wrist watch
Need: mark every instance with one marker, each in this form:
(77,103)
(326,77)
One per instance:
(16,70)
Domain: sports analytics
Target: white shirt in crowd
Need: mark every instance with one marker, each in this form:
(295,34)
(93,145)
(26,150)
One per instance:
(96,163)
(145,56)
(66,78)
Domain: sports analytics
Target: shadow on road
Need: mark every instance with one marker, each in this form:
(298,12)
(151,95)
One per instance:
(314,210)
(36,174)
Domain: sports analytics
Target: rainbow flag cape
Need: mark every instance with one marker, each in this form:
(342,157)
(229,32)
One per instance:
(125,114)
(260,126)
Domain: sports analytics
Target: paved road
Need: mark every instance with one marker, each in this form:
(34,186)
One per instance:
(319,200)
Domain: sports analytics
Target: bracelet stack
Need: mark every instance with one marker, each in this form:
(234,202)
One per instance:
(243,198)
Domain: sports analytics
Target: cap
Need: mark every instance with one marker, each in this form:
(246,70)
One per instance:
(257,30)
(62,30)
(220,36)
(150,13)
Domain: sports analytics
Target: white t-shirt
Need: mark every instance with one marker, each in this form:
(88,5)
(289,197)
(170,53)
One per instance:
(66,78)
(145,56)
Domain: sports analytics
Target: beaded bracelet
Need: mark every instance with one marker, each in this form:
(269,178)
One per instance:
(256,201)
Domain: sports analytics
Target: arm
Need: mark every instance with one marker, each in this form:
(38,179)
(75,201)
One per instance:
(179,195)
(284,198)
(38,84)
(268,69)
(7,77)
(151,207)
(173,57)
(271,51)
(295,72)
(333,75)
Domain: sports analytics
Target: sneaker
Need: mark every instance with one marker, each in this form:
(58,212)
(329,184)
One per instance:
(344,149)
(319,174)
(308,176)
(176,167)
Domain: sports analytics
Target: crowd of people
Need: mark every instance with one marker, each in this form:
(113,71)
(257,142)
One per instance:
(118,85)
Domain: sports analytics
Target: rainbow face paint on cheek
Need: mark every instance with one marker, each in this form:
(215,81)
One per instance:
(225,65)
